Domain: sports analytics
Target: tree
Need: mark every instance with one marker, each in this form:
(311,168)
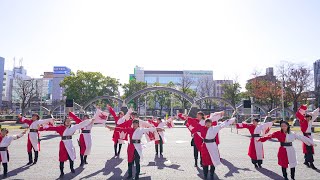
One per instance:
(25,91)
(161,98)
(296,80)
(132,87)
(84,86)
(232,92)
(185,86)
(205,87)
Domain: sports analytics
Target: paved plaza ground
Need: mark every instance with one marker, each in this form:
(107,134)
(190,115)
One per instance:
(177,162)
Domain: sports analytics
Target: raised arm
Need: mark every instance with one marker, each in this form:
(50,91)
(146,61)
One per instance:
(50,128)
(214,117)
(315,114)
(125,117)
(227,123)
(81,125)
(265,127)
(15,137)
(111,111)
(24,120)
(301,112)
(45,121)
(270,136)
(242,126)
(75,118)
(145,130)
(304,139)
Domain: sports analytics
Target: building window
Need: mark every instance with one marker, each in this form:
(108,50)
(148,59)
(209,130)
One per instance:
(166,80)
(150,80)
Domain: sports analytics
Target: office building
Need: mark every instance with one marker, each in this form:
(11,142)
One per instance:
(59,73)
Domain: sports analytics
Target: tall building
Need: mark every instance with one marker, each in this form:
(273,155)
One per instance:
(269,76)
(7,86)
(316,68)
(163,77)
(19,73)
(1,78)
(59,73)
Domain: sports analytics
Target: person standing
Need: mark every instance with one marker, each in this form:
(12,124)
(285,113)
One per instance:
(255,151)
(5,142)
(286,154)
(85,140)
(306,120)
(33,137)
(135,147)
(66,148)
(159,143)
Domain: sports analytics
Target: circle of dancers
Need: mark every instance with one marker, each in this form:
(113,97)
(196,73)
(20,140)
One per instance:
(128,128)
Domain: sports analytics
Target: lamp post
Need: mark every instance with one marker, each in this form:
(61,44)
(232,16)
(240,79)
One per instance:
(171,103)
(282,98)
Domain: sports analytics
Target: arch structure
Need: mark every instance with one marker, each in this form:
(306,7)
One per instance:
(258,106)
(216,98)
(36,108)
(62,103)
(285,109)
(101,98)
(159,88)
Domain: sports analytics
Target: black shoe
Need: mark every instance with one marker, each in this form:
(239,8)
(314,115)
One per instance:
(196,165)
(34,163)
(256,166)
(82,164)
(86,162)
(307,164)
(29,163)
(211,177)
(129,177)
(260,166)
(73,171)
(61,175)
(5,176)
(137,177)
(312,166)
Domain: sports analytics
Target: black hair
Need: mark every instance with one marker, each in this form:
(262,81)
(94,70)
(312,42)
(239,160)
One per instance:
(159,119)
(5,129)
(121,112)
(256,120)
(201,114)
(285,122)
(308,115)
(86,116)
(208,120)
(135,121)
(35,114)
(134,114)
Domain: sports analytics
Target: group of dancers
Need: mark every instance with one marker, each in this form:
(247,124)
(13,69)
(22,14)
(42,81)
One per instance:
(204,131)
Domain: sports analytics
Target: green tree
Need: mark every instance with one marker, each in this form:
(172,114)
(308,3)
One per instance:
(161,99)
(132,87)
(83,86)
(185,86)
(232,92)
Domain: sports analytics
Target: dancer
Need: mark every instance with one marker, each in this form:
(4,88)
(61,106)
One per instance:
(66,148)
(286,154)
(209,148)
(134,148)
(159,143)
(119,119)
(255,151)
(196,141)
(33,137)
(306,120)
(5,141)
(85,141)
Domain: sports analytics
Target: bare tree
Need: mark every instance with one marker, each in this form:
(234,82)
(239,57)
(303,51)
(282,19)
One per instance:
(296,80)
(185,86)
(26,91)
(205,87)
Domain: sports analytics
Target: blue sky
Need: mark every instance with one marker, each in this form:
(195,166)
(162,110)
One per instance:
(232,38)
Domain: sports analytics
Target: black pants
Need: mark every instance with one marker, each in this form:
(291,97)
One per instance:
(116,153)
(285,175)
(62,165)
(161,146)
(256,162)
(308,157)
(206,170)
(5,168)
(36,155)
(137,162)
(196,154)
